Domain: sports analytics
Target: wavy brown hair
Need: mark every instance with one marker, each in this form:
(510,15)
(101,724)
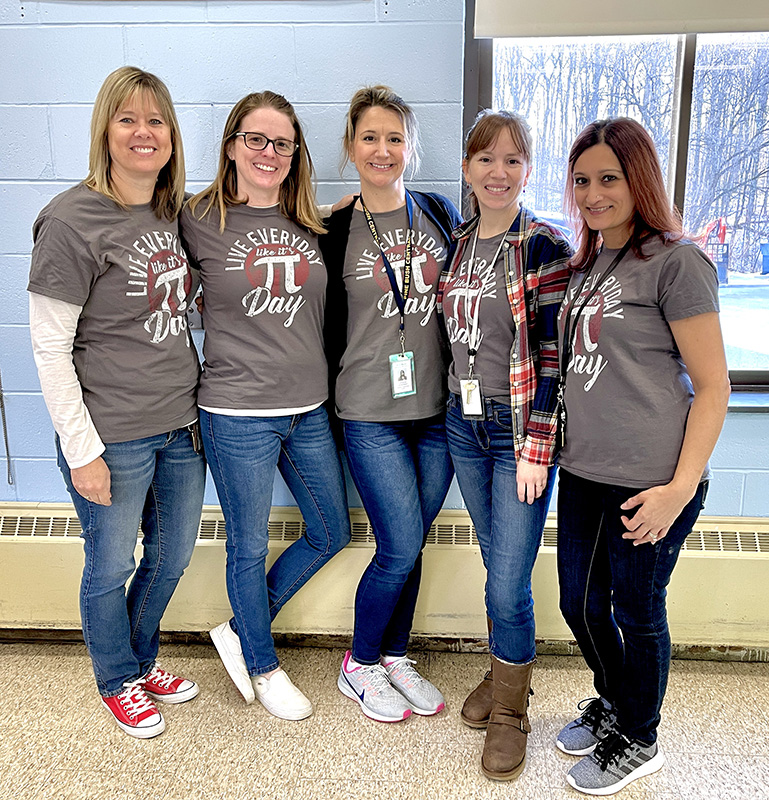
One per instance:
(297,193)
(119,86)
(637,155)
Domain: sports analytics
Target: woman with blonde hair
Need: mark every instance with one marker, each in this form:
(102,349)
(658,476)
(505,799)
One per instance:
(500,298)
(109,290)
(253,236)
(645,394)
(386,350)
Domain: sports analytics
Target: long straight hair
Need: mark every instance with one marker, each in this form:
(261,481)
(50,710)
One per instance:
(119,86)
(635,151)
(296,195)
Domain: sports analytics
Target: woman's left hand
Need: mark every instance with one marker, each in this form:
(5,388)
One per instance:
(658,508)
(531,480)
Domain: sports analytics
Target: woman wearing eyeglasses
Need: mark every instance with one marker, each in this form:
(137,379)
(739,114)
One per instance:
(253,235)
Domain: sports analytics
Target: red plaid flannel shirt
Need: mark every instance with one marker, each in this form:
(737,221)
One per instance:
(536,275)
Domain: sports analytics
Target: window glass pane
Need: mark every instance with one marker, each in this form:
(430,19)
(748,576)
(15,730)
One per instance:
(561,85)
(727,184)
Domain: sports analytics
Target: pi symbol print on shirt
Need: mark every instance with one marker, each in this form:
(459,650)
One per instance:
(158,269)
(427,257)
(277,265)
(587,360)
(483,283)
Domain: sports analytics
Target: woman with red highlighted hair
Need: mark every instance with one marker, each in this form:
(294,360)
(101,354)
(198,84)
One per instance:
(645,390)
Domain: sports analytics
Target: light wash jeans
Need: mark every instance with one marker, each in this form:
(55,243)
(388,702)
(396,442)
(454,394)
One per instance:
(157,483)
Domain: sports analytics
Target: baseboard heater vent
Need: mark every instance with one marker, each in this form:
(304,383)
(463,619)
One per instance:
(453,528)
(719,597)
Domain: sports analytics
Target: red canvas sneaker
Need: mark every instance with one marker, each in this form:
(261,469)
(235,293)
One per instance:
(163,687)
(135,713)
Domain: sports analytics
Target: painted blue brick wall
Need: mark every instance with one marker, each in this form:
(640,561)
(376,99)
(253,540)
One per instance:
(53,57)
(740,464)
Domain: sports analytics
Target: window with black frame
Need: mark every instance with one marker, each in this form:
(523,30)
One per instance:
(562,84)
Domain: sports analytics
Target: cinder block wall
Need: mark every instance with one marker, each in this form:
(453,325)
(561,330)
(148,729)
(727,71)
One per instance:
(54,55)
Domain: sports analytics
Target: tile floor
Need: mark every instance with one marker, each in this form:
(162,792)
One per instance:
(56,742)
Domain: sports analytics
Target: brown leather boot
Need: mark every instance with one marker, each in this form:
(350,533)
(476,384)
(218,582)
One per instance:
(477,707)
(504,751)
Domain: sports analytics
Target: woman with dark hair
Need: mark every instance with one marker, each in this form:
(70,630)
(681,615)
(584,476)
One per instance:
(645,396)
(253,235)
(384,253)
(109,290)
(500,298)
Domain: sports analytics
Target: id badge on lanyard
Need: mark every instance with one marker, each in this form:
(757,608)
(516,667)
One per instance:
(402,375)
(402,367)
(471,396)
(470,386)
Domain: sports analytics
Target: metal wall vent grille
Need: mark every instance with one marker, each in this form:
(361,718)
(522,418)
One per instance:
(714,541)
(549,537)
(452,529)
(54,527)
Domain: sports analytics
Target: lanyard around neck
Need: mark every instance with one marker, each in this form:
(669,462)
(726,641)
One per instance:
(472,319)
(399,297)
(570,324)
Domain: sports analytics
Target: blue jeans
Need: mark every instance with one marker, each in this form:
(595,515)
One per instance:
(157,483)
(242,454)
(509,531)
(613,597)
(402,471)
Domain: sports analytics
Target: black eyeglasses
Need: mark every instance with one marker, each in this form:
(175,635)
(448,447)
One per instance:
(258,141)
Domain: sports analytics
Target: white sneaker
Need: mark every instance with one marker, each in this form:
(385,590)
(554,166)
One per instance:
(227,642)
(280,697)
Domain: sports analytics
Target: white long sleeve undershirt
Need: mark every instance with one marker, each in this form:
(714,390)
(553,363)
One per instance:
(53,324)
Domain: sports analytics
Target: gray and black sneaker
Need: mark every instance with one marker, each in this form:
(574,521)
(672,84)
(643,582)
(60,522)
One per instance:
(598,720)
(615,762)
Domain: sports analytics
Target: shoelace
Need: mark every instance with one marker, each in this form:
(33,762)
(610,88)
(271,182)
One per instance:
(403,669)
(611,749)
(376,676)
(593,714)
(161,677)
(134,700)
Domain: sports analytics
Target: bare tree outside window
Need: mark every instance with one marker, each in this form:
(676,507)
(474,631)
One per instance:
(561,85)
(727,184)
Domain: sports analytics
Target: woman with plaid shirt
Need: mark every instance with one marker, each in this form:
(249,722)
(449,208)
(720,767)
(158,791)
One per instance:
(500,299)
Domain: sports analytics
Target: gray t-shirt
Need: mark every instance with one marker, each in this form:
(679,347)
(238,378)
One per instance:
(627,390)
(129,272)
(363,389)
(496,328)
(264,284)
